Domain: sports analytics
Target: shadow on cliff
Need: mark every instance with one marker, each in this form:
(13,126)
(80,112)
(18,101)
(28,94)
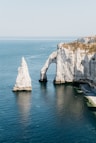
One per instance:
(89,69)
(92,109)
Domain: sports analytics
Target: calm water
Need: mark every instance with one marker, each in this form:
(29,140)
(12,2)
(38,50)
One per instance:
(49,114)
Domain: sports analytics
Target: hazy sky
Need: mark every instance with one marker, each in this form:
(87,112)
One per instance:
(47,17)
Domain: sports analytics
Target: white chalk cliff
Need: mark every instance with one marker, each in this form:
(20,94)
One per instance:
(75,61)
(23,80)
(51,59)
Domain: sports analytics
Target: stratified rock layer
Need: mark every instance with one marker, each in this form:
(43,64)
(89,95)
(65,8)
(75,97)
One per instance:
(23,80)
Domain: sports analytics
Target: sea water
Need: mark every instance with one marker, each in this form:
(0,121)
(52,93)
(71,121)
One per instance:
(48,114)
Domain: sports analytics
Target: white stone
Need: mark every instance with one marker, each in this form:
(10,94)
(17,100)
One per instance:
(23,80)
(51,59)
(72,65)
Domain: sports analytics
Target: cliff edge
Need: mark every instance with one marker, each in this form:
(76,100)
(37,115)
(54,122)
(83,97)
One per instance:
(75,61)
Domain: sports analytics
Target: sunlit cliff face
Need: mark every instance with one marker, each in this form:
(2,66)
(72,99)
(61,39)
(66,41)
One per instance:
(74,61)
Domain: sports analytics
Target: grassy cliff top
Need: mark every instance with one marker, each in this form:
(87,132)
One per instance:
(87,44)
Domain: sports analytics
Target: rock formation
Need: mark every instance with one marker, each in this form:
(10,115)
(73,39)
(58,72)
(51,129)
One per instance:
(75,61)
(51,59)
(23,81)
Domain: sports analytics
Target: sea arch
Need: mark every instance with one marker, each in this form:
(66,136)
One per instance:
(51,59)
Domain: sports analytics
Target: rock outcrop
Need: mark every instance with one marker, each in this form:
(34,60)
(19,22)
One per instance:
(23,80)
(75,61)
(51,59)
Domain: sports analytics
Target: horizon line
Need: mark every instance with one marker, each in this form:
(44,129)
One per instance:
(35,37)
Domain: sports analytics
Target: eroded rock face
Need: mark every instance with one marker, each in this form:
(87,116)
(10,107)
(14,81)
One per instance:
(51,59)
(75,61)
(23,80)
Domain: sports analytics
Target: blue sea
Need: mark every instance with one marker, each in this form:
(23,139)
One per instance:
(50,113)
